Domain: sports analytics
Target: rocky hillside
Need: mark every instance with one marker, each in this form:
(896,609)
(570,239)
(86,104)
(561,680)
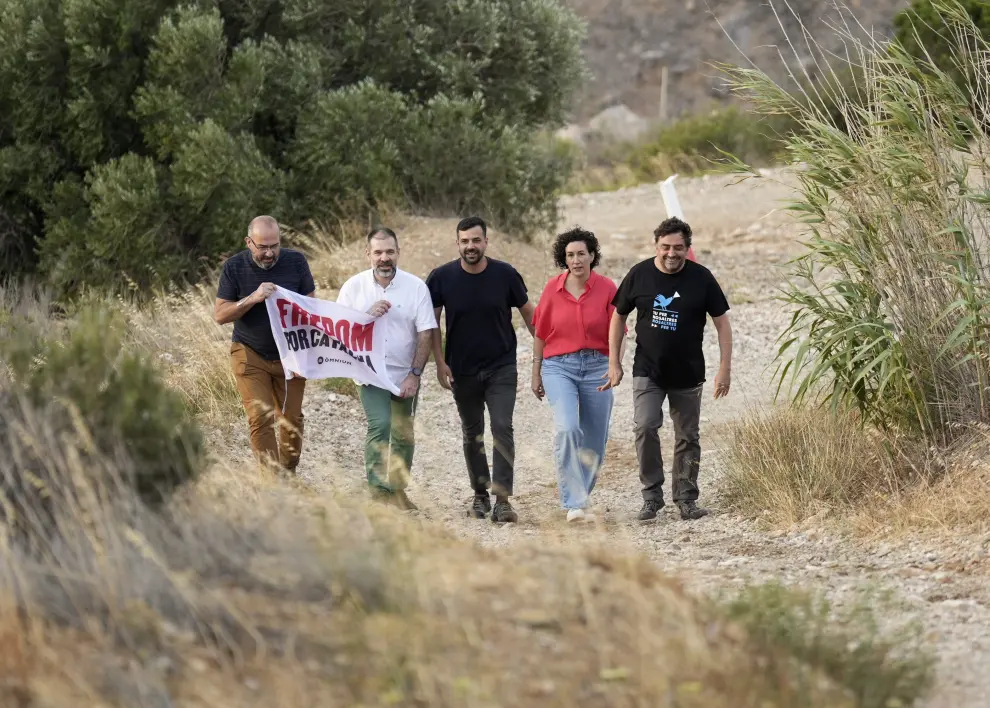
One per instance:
(629,41)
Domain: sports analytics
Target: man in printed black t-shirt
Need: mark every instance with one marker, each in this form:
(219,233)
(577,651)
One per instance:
(672,297)
(247,280)
(479,364)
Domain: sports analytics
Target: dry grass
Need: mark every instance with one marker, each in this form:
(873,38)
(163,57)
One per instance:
(178,329)
(790,465)
(254,592)
(951,505)
(787,464)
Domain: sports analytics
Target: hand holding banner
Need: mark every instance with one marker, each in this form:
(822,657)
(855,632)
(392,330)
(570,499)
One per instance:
(320,339)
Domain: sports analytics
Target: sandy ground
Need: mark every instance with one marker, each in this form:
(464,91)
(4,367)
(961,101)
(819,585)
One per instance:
(743,235)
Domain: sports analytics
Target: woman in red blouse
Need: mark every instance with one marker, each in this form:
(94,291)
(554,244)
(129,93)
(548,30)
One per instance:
(570,365)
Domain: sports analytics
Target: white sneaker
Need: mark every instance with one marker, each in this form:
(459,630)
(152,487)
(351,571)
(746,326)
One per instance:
(580,515)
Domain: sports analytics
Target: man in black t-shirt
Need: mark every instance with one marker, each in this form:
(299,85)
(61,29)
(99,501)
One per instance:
(479,364)
(247,280)
(672,297)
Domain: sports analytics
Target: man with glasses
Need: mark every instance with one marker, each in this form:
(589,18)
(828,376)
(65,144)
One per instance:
(247,280)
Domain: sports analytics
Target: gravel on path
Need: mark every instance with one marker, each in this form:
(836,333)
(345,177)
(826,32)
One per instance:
(741,237)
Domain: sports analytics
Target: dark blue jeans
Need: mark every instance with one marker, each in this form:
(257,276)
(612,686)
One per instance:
(495,389)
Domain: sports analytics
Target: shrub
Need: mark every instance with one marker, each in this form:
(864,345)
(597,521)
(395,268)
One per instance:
(923,32)
(86,384)
(138,137)
(890,298)
(693,143)
(690,145)
(791,463)
(879,668)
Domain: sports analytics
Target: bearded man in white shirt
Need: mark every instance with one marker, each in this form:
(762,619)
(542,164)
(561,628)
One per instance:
(402,303)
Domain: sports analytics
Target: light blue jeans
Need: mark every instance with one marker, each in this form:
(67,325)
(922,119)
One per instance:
(581,416)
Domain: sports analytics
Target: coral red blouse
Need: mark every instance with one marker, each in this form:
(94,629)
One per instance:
(568,325)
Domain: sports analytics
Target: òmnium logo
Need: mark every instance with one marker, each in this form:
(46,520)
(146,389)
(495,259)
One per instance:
(319,360)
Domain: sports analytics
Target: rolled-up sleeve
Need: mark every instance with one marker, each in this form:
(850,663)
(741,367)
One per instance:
(542,316)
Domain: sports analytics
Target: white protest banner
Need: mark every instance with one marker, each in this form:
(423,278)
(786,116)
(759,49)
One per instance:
(673,205)
(320,339)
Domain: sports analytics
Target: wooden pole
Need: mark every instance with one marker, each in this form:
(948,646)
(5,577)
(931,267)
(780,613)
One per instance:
(663,93)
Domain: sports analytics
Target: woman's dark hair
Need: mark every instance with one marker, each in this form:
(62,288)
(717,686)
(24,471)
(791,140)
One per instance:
(569,237)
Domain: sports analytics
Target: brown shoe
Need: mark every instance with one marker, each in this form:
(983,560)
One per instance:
(380,495)
(402,501)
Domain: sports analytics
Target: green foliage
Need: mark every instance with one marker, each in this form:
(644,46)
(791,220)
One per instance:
(701,140)
(924,32)
(879,668)
(891,299)
(86,372)
(139,137)
(687,146)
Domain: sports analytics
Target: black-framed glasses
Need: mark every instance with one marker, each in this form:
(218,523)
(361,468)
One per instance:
(272,248)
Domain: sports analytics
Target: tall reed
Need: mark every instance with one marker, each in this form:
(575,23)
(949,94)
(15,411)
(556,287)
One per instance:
(890,298)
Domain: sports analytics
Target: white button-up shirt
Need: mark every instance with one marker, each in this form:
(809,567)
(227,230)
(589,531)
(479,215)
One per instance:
(411,313)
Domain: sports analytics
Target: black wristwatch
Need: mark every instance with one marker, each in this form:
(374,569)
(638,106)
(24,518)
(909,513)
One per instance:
(416,372)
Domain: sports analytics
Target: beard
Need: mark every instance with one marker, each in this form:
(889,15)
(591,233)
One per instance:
(265,264)
(385,269)
(673,263)
(472,255)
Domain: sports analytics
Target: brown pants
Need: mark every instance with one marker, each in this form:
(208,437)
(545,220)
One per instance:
(264,391)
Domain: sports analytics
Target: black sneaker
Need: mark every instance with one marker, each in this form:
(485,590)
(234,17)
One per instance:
(650,509)
(503,513)
(481,505)
(690,510)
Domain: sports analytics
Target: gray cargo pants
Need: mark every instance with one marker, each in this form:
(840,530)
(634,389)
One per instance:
(685,412)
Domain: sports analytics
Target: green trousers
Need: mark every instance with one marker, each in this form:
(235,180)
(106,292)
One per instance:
(389,444)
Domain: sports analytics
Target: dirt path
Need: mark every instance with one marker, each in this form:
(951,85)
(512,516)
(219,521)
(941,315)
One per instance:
(741,237)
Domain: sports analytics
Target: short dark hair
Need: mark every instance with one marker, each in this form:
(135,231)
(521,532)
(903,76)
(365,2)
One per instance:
(673,225)
(382,230)
(569,237)
(471,222)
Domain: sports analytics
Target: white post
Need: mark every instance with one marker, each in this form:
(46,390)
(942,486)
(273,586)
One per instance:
(673,205)
(670,201)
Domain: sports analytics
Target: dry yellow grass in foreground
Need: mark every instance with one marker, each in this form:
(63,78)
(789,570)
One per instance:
(254,592)
(791,464)
(251,591)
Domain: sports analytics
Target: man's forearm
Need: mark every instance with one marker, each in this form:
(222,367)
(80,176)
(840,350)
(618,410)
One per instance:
(615,337)
(437,342)
(527,315)
(423,344)
(227,312)
(725,347)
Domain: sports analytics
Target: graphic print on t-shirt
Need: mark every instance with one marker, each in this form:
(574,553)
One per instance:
(662,317)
